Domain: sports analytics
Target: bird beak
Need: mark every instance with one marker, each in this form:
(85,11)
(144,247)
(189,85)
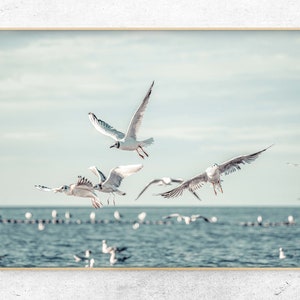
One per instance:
(112,146)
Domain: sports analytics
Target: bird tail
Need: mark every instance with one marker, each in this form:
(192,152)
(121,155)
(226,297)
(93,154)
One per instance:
(120,193)
(147,142)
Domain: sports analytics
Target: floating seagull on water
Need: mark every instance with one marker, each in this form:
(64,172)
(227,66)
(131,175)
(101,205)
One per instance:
(188,219)
(83,188)
(141,217)
(113,259)
(107,249)
(86,256)
(293,164)
(28,215)
(281,254)
(212,174)
(117,215)
(164,181)
(129,140)
(91,263)
(110,185)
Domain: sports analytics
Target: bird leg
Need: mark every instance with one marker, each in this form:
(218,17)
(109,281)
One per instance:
(95,203)
(114,199)
(220,187)
(108,199)
(139,153)
(144,151)
(214,189)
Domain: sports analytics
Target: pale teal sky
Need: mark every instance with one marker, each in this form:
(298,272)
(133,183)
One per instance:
(217,94)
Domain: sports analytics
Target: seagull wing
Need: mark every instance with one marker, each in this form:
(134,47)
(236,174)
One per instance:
(98,173)
(117,174)
(43,188)
(105,128)
(172,216)
(178,180)
(234,164)
(151,182)
(192,185)
(84,183)
(136,120)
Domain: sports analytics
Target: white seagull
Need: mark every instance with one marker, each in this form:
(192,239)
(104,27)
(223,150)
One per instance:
(113,259)
(83,188)
(281,254)
(293,164)
(129,140)
(164,181)
(187,219)
(212,174)
(110,185)
(107,249)
(86,256)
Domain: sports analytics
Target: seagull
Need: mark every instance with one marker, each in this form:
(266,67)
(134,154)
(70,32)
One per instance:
(110,185)
(86,256)
(164,181)
(187,219)
(281,254)
(90,264)
(129,140)
(293,164)
(113,259)
(212,174)
(106,249)
(83,188)
(117,215)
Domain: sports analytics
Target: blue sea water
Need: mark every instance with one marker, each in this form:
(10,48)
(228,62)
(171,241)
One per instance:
(235,240)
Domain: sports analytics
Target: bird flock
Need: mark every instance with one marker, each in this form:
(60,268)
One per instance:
(129,142)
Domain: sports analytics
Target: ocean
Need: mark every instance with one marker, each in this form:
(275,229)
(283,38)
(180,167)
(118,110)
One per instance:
(234,240)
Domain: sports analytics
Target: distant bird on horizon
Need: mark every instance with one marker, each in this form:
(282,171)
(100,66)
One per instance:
(293,164)
(129,140)
(164,181)
(117,215)
(83,188)
(212,174)
(189,219)
(113,181)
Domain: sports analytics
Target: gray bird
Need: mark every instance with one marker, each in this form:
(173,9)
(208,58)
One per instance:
(212,174)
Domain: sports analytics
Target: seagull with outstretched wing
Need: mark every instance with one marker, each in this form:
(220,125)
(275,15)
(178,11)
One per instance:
(164,181)
(113,181)
(212,174)
(129,140)
(82,188)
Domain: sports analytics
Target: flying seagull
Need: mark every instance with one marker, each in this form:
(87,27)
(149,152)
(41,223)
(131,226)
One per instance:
(129,140)
(188,219)
(293,164)
(83,188)
(164,181)
(110,185)
(212,174)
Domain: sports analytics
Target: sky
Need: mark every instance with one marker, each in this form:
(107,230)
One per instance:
(217,95)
